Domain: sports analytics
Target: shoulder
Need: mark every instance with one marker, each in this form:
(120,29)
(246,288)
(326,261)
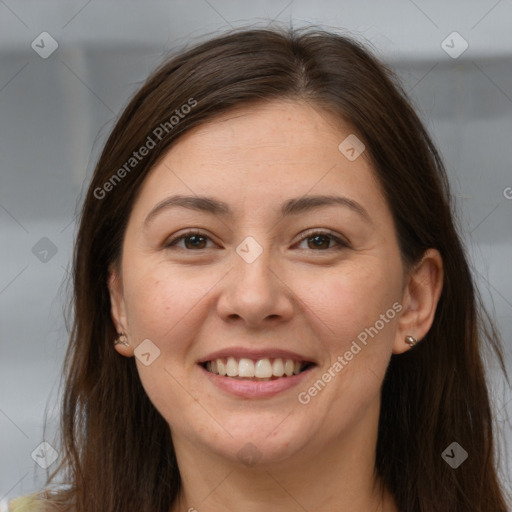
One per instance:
(44,500)
(27,503)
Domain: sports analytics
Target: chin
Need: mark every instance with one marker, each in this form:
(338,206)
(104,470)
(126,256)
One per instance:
(261,443)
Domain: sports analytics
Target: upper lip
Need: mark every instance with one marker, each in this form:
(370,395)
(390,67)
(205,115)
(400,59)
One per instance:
(270,353)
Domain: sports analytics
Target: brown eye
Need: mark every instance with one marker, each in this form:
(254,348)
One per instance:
(319,242)
(192,240)
(322,241)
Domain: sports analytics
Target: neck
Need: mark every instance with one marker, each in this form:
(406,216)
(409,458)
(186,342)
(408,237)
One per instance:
(338,475)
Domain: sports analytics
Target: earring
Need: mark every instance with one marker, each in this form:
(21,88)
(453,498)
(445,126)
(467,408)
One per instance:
(121,339)
(411,340)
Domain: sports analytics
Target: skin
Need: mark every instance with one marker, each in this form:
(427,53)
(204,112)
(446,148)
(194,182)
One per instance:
(315,301)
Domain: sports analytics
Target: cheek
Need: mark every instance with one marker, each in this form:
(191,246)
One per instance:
(158,299)
(347,300)
(162,306)
(357,307)
(150,309)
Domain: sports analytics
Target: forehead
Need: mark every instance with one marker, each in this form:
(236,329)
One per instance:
(284,126)
(263,153)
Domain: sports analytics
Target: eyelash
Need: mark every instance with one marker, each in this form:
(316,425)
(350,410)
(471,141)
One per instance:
(341,243)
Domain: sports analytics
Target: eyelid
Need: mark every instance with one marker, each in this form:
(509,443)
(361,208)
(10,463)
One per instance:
(172,242)
(340,241)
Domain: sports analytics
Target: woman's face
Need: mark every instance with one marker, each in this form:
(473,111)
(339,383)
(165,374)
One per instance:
(272,276)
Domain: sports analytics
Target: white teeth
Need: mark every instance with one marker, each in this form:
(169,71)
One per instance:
(221,367)
(232,367)
(288,367)
(278,367)
(247,368)
(263,369)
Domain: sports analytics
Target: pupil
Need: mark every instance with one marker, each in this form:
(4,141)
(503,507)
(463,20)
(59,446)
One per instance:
(317,240)
(194,239)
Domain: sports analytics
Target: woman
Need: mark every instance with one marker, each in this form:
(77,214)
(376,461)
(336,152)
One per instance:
(273,308)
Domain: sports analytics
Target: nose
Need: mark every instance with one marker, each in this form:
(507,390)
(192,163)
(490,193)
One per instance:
(256,292)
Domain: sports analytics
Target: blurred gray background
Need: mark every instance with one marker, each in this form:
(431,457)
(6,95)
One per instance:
(68,68)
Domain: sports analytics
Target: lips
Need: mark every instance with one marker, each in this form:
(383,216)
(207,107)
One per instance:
(254,388)
(253,365)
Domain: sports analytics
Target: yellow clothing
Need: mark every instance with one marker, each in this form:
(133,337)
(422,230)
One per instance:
(27,503)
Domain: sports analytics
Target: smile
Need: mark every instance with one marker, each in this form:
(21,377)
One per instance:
(255,369)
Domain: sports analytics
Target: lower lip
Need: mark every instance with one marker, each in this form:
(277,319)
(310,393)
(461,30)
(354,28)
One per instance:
(252,388)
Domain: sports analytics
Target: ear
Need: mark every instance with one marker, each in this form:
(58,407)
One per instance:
(421,295)
(118,310)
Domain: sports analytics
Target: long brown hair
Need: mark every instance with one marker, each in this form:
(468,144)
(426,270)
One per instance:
(117,452)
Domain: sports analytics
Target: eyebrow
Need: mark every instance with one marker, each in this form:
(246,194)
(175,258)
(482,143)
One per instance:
(293,206)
